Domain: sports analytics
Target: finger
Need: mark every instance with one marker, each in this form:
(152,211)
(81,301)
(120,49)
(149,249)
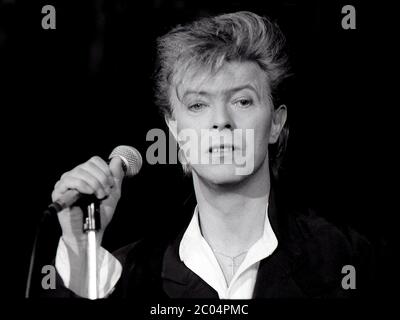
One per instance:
(70,182)
(102,165)
(95,171)
(116,170)
(80,173)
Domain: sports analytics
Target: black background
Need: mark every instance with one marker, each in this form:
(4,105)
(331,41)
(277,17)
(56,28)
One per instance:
(86,87)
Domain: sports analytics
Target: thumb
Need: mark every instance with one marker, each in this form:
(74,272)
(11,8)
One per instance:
(116,170)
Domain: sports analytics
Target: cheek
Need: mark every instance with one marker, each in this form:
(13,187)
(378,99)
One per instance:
(185,121)
(262,128)
(261,123)
(261,139)
(182,122)
(188,135)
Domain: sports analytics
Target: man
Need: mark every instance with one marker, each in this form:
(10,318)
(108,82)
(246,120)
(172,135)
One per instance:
(216,76)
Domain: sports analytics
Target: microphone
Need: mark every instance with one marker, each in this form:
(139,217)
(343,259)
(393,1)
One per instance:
(131,165)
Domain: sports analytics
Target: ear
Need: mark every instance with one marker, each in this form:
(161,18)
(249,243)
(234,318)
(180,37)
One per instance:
(172,125)
(278,121)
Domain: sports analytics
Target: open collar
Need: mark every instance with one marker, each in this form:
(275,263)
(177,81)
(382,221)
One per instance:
(274,277)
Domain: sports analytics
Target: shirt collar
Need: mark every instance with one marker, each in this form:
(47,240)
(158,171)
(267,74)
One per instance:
(197,255)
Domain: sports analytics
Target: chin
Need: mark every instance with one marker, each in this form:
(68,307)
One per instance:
(221,174)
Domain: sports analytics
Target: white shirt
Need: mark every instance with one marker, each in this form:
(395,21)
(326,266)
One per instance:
(109,271)
(198,256)
(194,252)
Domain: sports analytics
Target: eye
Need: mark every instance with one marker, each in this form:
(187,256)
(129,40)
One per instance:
(243,103)
(196,107)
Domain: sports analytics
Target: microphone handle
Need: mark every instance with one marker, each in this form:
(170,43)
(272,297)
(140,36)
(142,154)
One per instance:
(71,198)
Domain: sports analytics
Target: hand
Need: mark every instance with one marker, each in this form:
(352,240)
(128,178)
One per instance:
(92,177)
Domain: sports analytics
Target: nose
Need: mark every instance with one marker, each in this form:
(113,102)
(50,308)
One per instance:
(222,118)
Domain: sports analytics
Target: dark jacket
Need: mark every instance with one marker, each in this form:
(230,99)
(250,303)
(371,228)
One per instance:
(308,262)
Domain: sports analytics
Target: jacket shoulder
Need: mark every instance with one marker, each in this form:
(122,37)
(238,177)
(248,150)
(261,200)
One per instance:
(331,239)
(329,252)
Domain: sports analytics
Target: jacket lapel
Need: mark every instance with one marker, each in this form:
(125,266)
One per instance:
(275,273)
(179,281)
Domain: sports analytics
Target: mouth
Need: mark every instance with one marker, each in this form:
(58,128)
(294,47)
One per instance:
(221,149)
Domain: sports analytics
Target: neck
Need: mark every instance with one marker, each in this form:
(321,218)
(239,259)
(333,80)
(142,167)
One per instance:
(232,216)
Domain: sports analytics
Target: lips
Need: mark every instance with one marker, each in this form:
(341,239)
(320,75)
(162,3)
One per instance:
(221,148)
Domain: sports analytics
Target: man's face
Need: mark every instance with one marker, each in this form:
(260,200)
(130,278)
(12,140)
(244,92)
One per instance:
(235,99)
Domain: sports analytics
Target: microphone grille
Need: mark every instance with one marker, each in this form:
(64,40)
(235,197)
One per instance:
(131,159)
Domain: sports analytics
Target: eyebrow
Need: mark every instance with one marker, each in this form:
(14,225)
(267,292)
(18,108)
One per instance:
(225,92)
